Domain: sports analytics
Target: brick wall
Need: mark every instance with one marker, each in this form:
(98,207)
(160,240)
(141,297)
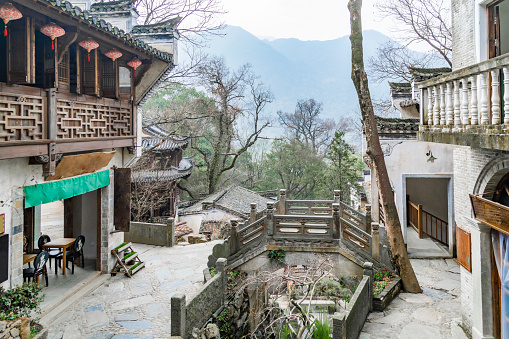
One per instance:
(463,42)
(470,174)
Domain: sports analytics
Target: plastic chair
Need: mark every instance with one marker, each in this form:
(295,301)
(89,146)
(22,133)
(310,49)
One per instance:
(77,252)
(38,269)
(53,253)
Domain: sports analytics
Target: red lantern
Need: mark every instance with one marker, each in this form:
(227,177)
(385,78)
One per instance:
(135,63)
(7,13)
(113,55)
(88,44)
(53,31)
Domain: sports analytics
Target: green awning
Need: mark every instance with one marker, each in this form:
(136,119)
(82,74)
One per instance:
(64,189)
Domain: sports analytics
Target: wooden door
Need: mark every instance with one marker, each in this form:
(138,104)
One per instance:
(496,288)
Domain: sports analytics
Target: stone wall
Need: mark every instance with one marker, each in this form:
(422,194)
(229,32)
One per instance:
(463,33)
(348,324)
(17,328)
(185,316)
(151,234)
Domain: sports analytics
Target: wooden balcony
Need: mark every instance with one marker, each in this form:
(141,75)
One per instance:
(468,107)
(38,122)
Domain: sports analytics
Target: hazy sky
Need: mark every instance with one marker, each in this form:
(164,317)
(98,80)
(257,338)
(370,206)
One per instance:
(320,20)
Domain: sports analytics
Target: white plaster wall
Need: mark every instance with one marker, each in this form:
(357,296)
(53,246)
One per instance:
(431,193)
(408,159)
(194,220)
(17,173)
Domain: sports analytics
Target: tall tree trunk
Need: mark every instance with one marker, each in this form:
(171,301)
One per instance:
(393,226)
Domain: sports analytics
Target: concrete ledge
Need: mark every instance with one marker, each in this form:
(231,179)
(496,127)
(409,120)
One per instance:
(477,136)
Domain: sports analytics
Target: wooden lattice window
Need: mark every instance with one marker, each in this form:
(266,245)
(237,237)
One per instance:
(90,83)
(63,73)
(109,79)
(464,248)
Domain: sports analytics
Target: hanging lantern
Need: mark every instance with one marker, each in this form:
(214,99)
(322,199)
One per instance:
(7,13)
(113,55)
(53,31)
(135,63)
(88,44)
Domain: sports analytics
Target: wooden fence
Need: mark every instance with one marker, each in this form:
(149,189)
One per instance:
(427,224)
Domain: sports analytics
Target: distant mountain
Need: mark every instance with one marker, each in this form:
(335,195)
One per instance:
(296,69)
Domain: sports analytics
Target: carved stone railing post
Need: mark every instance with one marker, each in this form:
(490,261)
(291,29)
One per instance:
(495,97)
(252,215)
(464,102)
(474,113)
(506,95)
(282,201)
(178,315)
(457,119)
(442,104)
(368,270)
(234,237)
(375,241)
(430,106)
(337,196)
(336,224)
(485,109)
(368,219)
(170,232)
(448,104)
(270,219)
(436,106)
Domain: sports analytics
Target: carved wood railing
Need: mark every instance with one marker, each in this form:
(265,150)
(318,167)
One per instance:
(22,113)
(86,116)
(428,224)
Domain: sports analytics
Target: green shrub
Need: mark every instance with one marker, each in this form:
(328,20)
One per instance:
(278,255)
(321,327)
(20,301)
(332,289)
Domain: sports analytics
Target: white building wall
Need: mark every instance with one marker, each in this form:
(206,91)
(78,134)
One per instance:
(408,159)
(17,173)
(463,32)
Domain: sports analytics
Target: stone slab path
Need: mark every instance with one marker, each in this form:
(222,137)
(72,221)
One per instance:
(137,307)
(433,314)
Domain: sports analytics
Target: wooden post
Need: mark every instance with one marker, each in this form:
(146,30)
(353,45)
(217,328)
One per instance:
(368,219)
(419,220)
(270,218)
(234,238)
(252,216)
(282,201)
(375,241)
(336,225)
(337,196)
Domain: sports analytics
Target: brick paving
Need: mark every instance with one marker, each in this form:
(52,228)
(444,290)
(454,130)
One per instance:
(137,307)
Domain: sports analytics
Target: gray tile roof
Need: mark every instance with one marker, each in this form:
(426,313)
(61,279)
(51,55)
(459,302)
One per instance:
(89,18)
(234,199)
(161,140)
(167,26)
(183,171)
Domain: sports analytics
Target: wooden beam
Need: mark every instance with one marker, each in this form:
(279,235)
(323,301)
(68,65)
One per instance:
(69,39)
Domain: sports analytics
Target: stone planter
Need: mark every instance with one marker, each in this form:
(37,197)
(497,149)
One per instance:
(17,328)
(380,301)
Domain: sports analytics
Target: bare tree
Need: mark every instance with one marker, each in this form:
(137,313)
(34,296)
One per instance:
(238,100)
(150,189)
(416,21)
(307,126)
(393,61)
(393,226)
(194,18)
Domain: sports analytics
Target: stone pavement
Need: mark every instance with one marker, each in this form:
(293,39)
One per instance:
(137,307)
(433,314)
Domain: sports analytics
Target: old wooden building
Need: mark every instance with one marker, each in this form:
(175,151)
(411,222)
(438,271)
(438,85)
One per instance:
(70,88)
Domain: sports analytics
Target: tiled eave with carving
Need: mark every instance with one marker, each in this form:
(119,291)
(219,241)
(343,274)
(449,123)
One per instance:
(397,127)
(90,19)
